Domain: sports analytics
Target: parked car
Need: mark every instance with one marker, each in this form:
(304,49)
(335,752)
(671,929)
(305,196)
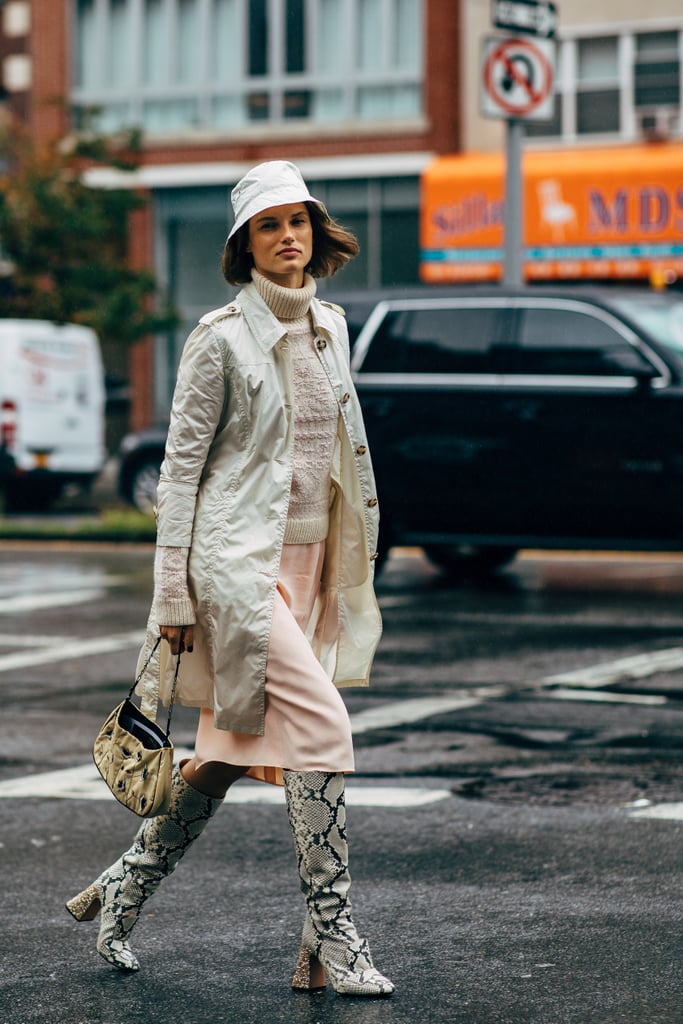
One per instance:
(140,456)
(500,419)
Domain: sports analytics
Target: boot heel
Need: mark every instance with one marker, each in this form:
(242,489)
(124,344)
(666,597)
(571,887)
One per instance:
(309,973)
(86,906)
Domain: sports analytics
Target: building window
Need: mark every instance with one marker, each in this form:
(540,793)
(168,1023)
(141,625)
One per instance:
(657,70)
(170,65)
(621,85)
(597,85)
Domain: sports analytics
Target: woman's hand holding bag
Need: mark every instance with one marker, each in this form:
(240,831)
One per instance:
(134,755)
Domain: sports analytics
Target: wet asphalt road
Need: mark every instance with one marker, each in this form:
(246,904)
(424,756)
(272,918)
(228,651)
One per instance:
(543,707)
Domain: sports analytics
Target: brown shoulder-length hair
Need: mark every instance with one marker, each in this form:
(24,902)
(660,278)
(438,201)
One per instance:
(333,247)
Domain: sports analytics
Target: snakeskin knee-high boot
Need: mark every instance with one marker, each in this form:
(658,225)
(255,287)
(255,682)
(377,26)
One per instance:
(330,943)
(120,891)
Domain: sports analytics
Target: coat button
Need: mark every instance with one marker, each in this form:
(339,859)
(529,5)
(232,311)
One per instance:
(345,397)
(361,449)
(372,502)
(321,344)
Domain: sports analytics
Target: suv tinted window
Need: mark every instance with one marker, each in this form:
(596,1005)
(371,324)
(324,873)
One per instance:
(566,341)
(455,340)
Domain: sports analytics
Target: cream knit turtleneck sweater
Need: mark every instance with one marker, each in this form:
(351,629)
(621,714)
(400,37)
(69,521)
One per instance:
(315,412)
(315,427)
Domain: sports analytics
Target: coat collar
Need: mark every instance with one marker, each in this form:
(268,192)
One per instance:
(265,326)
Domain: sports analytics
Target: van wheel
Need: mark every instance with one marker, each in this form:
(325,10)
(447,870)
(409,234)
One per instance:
(466,558)
(142,485)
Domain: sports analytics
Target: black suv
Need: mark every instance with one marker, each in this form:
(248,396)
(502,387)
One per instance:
(501,419)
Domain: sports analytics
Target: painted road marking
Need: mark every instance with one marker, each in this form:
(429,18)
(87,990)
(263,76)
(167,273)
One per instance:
(72,649)
(32,640)
(84,783)
(387,716)
(607,673)
(563,693)
(32,602)
(661,812)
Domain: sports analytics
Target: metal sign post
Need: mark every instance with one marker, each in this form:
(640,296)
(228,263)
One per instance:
(517,84)
(514,204)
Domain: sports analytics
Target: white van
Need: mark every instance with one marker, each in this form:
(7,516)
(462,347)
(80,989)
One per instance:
(51,409)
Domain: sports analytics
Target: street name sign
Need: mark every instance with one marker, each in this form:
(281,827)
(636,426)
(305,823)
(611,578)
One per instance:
(537,17)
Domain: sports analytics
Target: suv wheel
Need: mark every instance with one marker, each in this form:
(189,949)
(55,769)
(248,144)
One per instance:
(464,558)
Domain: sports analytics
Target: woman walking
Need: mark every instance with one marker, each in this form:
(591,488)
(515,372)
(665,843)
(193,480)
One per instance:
(267,530)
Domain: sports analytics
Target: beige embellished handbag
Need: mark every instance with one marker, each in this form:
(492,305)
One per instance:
(134,755)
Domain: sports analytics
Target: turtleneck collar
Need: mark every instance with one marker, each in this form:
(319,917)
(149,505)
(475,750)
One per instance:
(285,303)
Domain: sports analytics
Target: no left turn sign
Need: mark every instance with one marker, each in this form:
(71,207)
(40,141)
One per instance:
(517,78)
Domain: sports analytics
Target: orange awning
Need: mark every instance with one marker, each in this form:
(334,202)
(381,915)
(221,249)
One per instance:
(588,213)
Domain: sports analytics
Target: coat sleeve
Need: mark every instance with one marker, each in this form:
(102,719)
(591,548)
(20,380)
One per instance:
(198,403)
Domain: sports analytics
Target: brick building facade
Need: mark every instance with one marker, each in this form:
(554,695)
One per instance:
(362,94)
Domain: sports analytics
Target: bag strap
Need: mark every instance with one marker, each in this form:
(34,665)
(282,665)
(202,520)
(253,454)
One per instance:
(175,680)
(173,690)
(144,668)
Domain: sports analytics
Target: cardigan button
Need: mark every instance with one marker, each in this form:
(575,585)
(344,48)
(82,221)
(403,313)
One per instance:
(372,502)
(321,344)
(361,449)
(345,397)
(373,558)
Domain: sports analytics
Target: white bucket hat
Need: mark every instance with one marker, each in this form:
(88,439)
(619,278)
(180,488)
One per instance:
(275,183)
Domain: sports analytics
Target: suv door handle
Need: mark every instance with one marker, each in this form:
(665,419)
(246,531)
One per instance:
(522,408)
(378,406)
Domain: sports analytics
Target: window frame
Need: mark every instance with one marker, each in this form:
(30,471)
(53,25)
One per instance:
(432,379)
(515,305)
(568,381)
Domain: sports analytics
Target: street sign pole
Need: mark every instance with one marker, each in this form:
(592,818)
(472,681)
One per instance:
(517,84)
(514,203)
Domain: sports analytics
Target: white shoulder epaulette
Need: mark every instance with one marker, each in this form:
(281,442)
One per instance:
(334,306)
(232,309)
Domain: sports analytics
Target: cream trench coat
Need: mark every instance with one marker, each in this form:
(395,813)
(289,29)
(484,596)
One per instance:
(224,493)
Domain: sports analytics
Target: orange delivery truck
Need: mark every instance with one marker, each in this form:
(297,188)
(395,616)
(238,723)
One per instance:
(589,214)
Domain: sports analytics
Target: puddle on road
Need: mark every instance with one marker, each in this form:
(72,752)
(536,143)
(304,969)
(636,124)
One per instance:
(560,788)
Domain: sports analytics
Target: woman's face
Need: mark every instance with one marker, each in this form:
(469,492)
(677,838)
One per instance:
(281,243)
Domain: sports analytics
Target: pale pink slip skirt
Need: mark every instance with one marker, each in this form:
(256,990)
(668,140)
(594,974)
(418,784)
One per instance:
(306,726)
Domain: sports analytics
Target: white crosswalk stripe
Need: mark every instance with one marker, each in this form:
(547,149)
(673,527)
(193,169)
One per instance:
(72,649)
(659,812)
(34,602)
(84,783)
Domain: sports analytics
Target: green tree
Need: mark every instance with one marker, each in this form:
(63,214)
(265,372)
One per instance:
(64,244)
